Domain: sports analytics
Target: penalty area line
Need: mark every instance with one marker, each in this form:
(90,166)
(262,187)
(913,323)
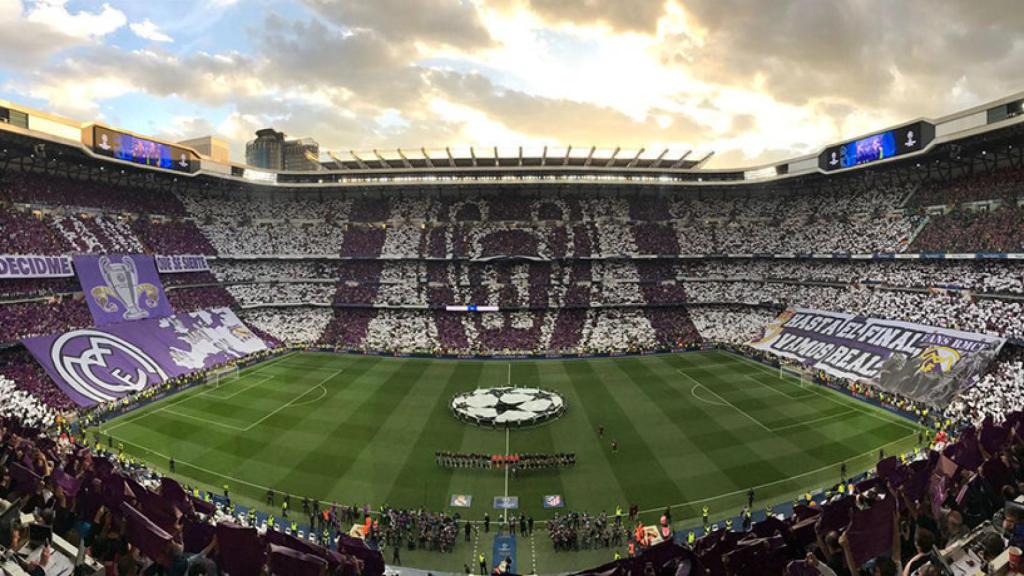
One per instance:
(319,384)
(780,481)
(727,403)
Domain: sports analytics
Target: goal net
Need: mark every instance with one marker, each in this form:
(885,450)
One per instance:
(796,371)
(222,375)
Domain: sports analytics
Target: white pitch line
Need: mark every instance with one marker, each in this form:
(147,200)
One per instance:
(730,404)
(780,481)
(229,426)
(189,465)
(816,420)
(693,392)
(868,410)
(473,561)
(544,522)
(205,420)
(505,511)
(533,552)
(187,395)
(323,394)
(776,390)
(506,466)
(293,400)
(208,394)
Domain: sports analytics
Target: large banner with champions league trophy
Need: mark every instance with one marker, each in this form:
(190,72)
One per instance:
(924,363)
(121,288)
(93,365)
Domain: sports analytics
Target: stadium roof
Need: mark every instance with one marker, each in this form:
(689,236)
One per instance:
(528,166)
(498,156)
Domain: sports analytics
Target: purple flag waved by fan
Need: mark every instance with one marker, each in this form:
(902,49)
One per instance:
(145,535)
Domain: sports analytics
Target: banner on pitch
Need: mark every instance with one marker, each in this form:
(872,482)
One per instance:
(121,288)
(94,365)
(506,502)
(35,266)
(181,263)
(554,501)
(923,363)
(504,550)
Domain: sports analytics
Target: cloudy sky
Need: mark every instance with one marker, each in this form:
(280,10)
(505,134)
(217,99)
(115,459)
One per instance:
(753,81)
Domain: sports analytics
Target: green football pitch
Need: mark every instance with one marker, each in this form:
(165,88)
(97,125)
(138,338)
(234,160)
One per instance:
(693,429)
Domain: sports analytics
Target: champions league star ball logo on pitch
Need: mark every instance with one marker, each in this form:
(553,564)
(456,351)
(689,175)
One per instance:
(122,285)
(102,366)
(507,406)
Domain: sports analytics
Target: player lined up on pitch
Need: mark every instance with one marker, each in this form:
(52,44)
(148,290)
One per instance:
(515,462)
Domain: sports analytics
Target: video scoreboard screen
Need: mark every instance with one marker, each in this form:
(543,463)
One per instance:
(142,151)
(881,146)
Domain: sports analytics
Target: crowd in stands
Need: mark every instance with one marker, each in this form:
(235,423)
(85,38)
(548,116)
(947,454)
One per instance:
(731,323)
(19,366)
(827,221)
(891,517)
(416,529)
(24,288)
(898,518)
(16,402)
(261,294)
(985,276)
(1006,184)
(25,233)
(593,331)
(998,230)
(302,324)
(999,392)
(101,234)
(133,521)
(172,237)
(37,189)
(275,238)
(582,531)
(245,207)
(52,315)
(203,278)
(569,304)
(862,219)
(949,310)
(270,270)
(200,298)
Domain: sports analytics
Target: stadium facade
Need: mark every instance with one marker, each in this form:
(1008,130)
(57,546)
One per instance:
(888,268)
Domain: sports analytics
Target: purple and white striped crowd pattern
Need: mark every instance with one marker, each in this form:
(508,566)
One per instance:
(94,365)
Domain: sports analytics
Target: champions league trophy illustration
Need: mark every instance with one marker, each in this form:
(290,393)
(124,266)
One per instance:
(122,285)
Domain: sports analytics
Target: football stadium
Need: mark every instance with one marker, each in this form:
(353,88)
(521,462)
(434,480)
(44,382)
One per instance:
(228,351)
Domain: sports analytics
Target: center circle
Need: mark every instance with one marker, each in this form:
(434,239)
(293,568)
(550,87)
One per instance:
(507,406)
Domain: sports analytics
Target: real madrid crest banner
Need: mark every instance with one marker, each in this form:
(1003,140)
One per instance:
(121,288)
(95,365)
(924,363)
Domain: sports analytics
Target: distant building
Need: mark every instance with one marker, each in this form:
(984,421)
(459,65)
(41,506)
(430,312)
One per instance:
(209,147)
(302,154)
(270,150)
(267,150)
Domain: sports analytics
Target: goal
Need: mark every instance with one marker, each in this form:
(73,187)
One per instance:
(796,371)
(222,375)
